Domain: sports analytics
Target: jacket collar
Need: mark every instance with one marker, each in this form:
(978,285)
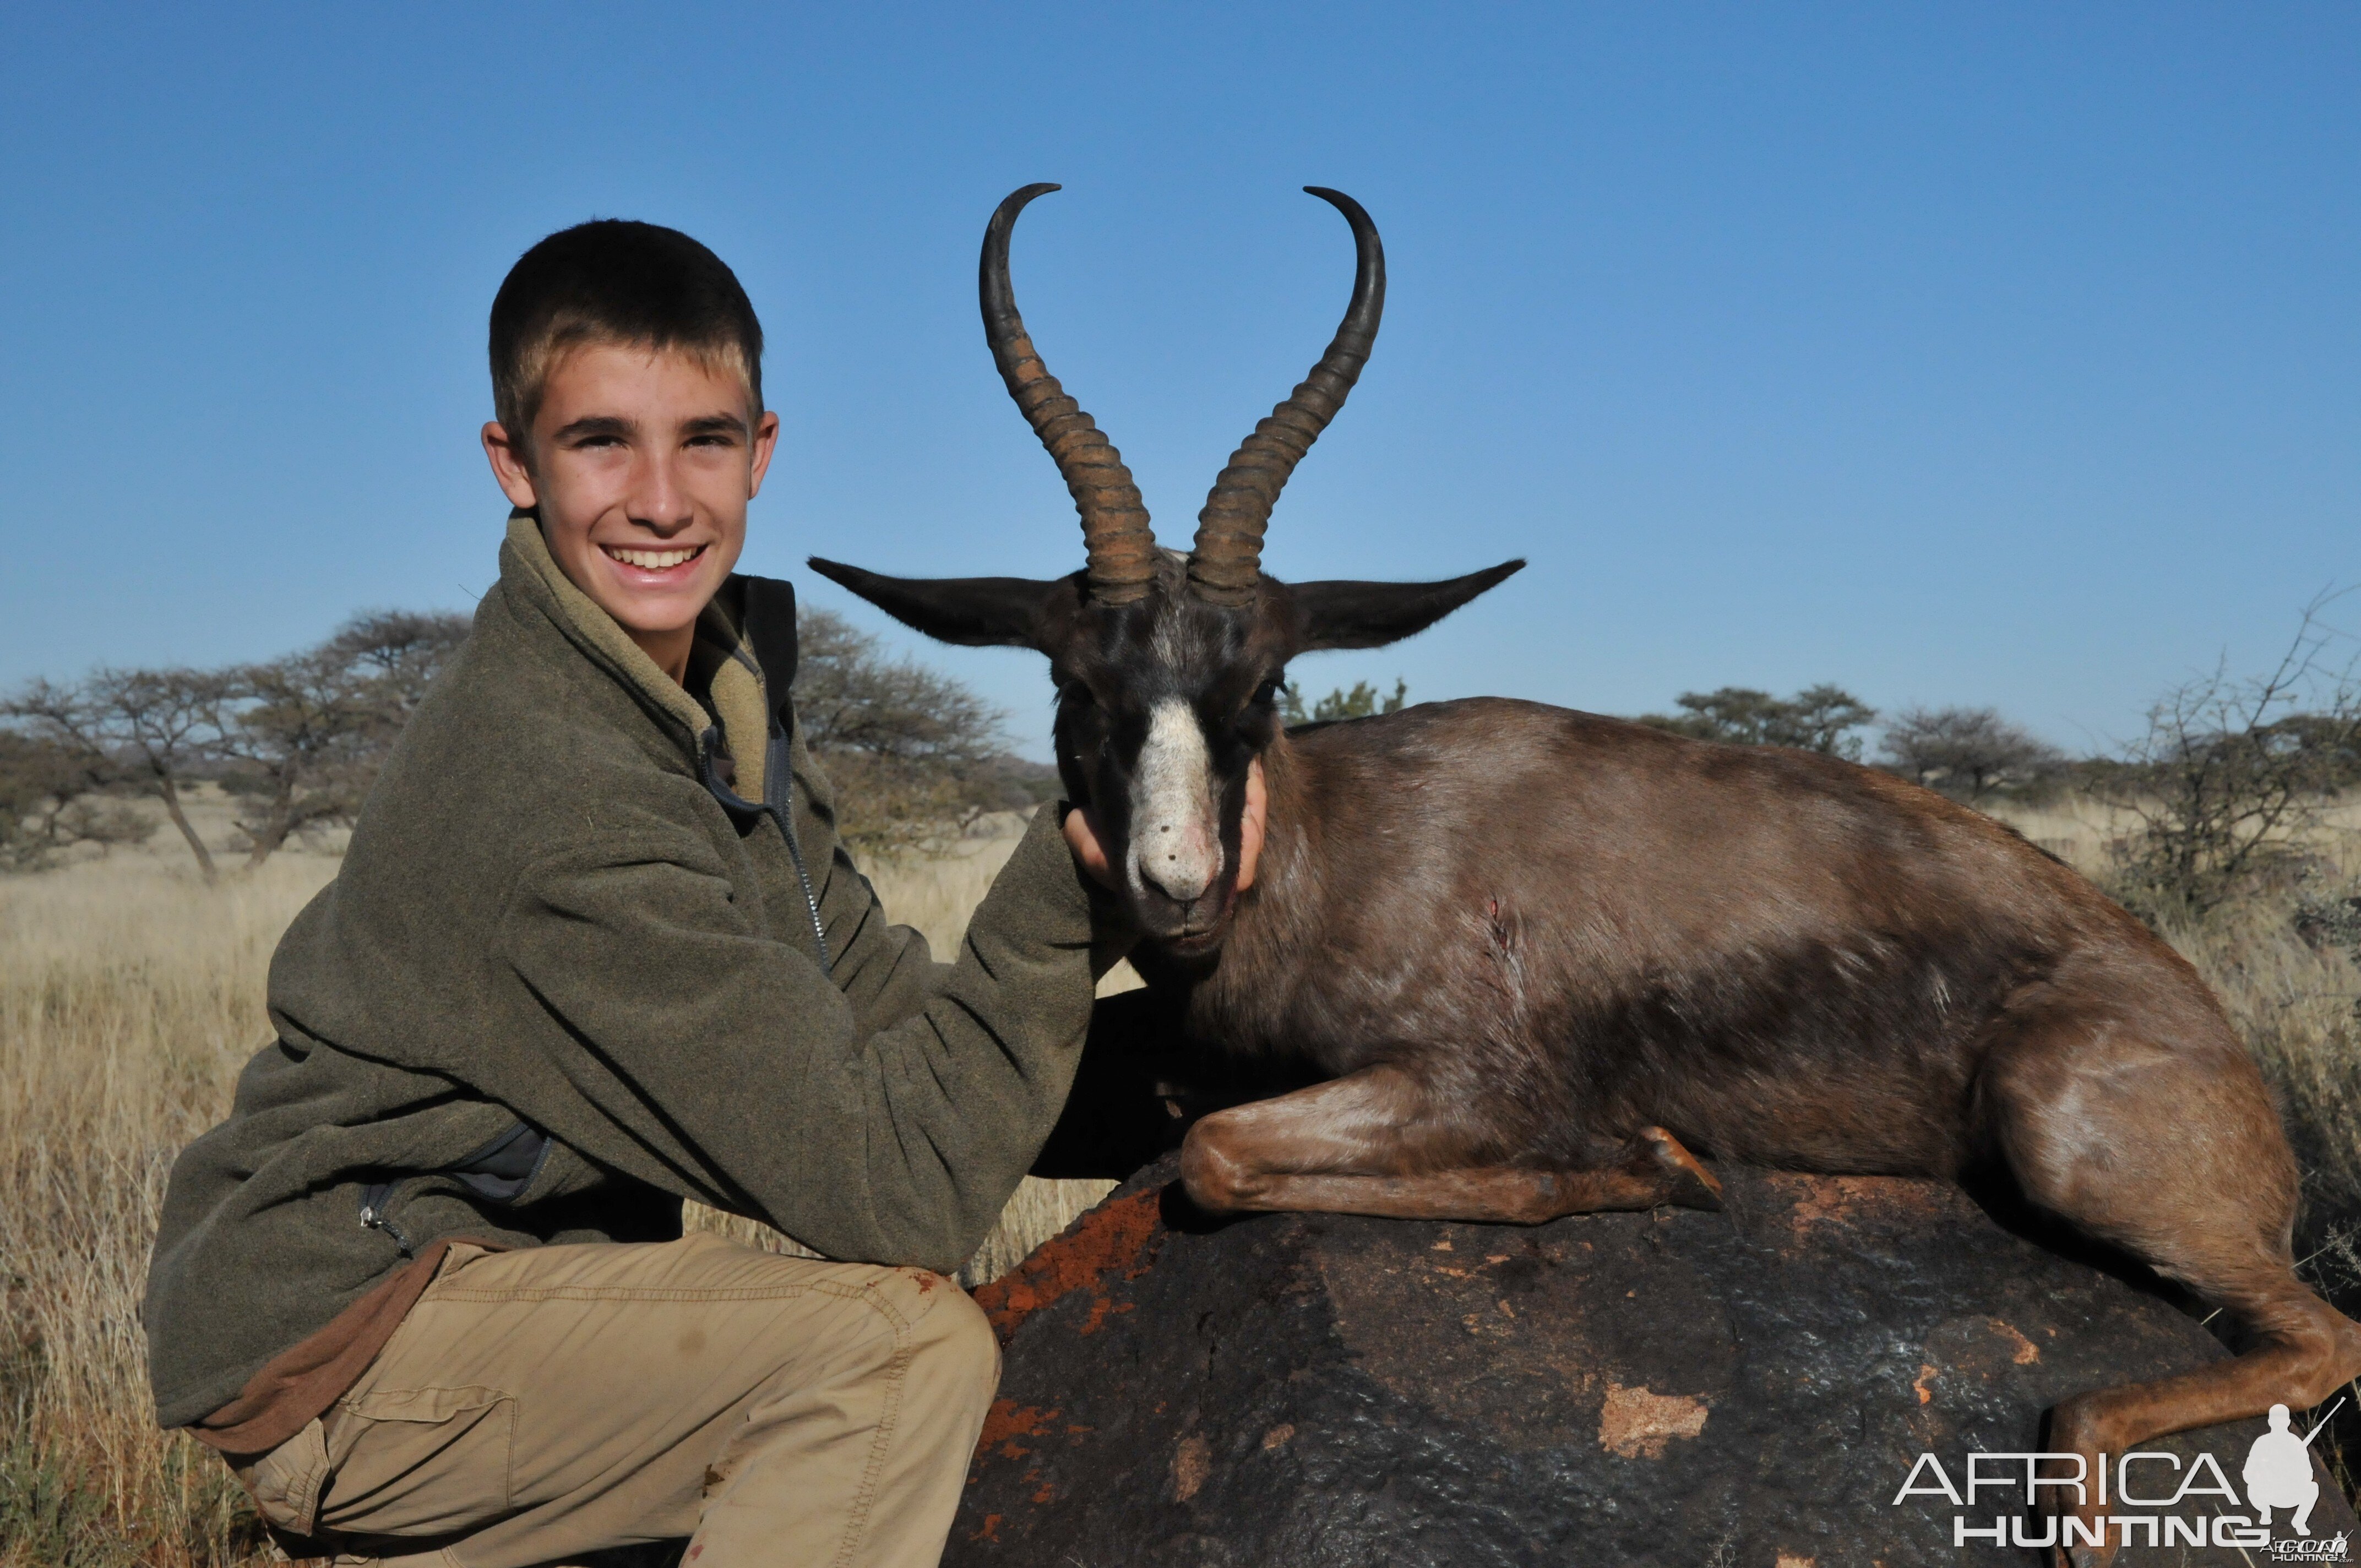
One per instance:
(528,569)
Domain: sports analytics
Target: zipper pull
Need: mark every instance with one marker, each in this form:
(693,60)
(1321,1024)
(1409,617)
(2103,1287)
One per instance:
(373,1218)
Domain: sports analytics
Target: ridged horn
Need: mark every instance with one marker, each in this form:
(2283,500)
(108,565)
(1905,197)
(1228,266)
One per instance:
(1225,563)
(1121,546)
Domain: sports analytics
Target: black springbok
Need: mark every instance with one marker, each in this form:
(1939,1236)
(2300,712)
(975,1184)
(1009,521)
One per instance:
(1538,960)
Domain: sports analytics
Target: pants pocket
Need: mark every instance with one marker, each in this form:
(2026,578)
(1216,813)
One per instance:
(285,1483)
(420,1460)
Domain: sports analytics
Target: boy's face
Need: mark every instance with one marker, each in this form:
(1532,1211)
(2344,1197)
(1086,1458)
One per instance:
(642,462)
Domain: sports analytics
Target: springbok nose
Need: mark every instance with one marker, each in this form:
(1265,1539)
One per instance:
(1174,844)
(1180,858)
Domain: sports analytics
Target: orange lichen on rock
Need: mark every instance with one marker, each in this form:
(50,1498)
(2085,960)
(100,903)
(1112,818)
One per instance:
(1116,1239)
(1816,1201)
(1192,1461)
(1636,1424)
(1008,1420)
(2026,1353)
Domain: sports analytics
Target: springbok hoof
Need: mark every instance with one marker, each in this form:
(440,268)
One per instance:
(1690,1184)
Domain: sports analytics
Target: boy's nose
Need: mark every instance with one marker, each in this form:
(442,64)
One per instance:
(658,501)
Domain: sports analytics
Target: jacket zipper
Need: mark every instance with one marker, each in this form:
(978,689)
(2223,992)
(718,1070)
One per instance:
(778,798)
(775,784)
(373,1216)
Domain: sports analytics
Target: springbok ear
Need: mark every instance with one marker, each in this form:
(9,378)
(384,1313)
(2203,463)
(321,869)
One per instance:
(977,612)
(1370,615)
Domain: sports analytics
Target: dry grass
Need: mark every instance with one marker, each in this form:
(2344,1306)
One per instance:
(130,995)
(2078,829)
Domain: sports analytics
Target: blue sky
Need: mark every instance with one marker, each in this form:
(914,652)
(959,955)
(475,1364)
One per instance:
(1973,354)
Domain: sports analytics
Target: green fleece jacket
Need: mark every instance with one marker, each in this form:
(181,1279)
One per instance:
(566,926)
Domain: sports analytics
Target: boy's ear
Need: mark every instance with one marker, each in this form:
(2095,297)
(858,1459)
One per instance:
(976,612)
(512,466)
(1370,615)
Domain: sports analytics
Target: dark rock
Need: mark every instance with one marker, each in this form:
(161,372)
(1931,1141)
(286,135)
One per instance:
(1746,1387)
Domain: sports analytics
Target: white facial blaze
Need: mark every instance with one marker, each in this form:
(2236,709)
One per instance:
(1176,841)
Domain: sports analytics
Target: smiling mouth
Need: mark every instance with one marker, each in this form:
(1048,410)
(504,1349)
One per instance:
(653,560)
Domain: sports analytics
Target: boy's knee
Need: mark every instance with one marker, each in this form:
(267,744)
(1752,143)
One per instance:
(955,1335)
(954,1357)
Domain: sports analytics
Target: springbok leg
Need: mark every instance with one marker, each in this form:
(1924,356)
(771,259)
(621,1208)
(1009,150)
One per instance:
(2154,1133)
(1369,1144)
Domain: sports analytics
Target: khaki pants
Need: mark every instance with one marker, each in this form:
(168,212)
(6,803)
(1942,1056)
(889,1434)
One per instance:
(538,1405)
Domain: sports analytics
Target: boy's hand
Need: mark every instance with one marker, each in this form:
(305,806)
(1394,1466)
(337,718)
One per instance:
(1082,830)
(1250,825)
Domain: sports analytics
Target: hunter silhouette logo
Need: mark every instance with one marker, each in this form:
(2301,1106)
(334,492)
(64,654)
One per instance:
(2279,1471)
(2057,1493)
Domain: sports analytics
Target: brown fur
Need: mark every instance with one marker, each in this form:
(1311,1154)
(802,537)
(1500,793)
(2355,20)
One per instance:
(1525,944)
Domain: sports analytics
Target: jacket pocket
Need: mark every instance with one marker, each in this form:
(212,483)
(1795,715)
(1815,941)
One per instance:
(501,1171)
(420,1460)
(559,1172)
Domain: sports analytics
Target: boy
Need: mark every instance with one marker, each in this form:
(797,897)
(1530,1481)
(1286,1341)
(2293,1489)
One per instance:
(595,949)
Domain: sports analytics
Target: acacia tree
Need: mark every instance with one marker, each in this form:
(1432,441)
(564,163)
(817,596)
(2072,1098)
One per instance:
(916,756)
(398,653)
(2233,773)
(297,741)
(52,796)
(308,733)
(296,749)
(1359,703)
(1967,753)
(1818,718)
(155,728)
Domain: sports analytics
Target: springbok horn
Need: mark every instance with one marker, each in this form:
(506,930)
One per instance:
(1225,563)
(1114,520)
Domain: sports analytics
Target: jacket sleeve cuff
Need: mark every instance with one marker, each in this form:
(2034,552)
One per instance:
(1041,899)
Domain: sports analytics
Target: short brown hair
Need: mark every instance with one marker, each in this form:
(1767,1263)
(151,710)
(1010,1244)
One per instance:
(614,280)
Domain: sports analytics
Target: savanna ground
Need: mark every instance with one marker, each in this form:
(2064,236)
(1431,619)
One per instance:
(131,994)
